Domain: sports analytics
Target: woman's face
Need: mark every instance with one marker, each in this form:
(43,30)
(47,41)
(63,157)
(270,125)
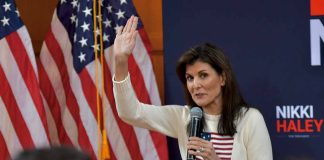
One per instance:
(204,84)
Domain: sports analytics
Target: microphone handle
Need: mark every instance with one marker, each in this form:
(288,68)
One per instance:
(194,132)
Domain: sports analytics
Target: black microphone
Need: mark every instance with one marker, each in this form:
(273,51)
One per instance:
(196,115)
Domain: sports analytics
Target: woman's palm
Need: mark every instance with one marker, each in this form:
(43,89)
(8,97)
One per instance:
(125,38)
(124,44)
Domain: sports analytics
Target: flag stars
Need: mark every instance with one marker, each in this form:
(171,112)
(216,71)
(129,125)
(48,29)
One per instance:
(107,23)
(5,21)
(105,37)
(74,3)
(99,18)
(73,18)
(6,6)
(96,47)
(117,28)
(122,2)
(63,1)
(85,26)
(83,42)
(82,57)
(76,22)
(87,12)
(75,37)
(17,12)
(97,32)
(109,8)
(120,14)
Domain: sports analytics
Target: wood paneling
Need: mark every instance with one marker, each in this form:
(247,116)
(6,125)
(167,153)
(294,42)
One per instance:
(37,15)
(150,12)
(158,62)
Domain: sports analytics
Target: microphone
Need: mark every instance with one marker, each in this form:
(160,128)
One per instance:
(196,115)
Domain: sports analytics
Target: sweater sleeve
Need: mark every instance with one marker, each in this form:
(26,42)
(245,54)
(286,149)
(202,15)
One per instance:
(164,119)
(257,139)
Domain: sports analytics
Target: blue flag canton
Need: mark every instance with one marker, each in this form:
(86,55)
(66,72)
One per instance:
(9,18)
(77,18)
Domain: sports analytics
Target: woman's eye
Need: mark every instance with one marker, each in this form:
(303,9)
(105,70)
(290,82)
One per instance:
(189,78)
(203,75)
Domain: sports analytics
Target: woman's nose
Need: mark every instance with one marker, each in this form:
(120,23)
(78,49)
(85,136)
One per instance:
(196,83)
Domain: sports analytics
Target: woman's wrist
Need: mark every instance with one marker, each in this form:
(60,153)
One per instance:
(121,58)
(121,67)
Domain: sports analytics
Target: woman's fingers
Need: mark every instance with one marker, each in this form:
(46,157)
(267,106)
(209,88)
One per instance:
(200,147)
(129,24)
(119,30)
(133,28)
(197,143)
(198,140)
(197,153)
(134,24)
(126,37)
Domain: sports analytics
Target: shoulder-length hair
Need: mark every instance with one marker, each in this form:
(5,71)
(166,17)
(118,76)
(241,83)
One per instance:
(233,101)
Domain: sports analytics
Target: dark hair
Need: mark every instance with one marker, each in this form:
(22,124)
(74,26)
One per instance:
(53,153)
(233,101)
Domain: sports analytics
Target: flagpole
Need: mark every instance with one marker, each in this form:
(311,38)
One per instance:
(97,76)
(105,154)
(103,147)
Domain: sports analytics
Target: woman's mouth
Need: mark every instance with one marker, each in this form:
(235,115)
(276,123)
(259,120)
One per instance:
(199,95)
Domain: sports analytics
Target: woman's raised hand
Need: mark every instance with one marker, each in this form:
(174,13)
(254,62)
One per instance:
(123,47)
(125,38)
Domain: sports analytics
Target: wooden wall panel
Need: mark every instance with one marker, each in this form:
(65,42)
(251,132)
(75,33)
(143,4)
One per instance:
(37,15)
(150,12)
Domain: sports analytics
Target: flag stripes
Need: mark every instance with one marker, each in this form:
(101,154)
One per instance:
(70,90)
(11,143)
(15,116)
(53,134)
(22,58)
(127,131)
(69,87)
(222,144)
(4,153)
(55,109)
(142,58)
(23,120)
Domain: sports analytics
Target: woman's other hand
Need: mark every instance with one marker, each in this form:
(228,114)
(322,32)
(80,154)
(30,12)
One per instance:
(200,147)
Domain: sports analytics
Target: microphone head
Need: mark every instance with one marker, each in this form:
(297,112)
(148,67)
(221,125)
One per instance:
(196,112)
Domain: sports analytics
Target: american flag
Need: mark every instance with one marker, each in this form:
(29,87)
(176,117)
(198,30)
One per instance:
(223,144)
(22,114)
(67,80)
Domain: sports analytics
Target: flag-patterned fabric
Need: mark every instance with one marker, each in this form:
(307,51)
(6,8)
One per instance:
(223,144)
(67,80)
(22,114)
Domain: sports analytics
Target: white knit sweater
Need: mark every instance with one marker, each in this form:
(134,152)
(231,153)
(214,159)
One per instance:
(251,142)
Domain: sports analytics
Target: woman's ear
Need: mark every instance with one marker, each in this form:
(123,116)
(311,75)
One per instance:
(223,79)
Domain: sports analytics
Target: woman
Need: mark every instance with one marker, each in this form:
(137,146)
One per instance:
(231,130)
